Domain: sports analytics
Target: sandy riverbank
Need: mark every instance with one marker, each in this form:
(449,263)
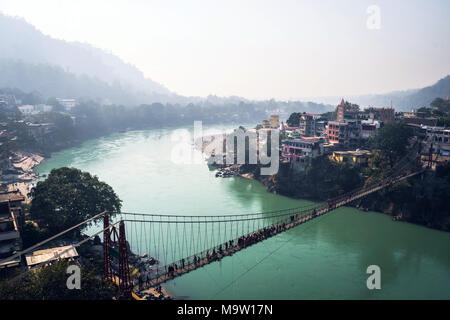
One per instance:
(24,177)
(165,294)
(26,161)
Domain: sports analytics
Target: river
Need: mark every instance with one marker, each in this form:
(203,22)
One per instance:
(326,258)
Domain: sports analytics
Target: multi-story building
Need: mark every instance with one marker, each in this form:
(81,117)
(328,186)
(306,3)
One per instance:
(274,121)
(345,133)
(436,145)
(334,131)
(40,130)
(369,128)
(265,124)
(301,152)
(384,115)
(294,149)
(346,111)
(11,218)
(309,125)
(439,136)
(290,132)
(356,157)
(321,128)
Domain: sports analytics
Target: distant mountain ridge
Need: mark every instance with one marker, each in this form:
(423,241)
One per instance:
(22,41)
(31,61)
(401,100)
(409,99)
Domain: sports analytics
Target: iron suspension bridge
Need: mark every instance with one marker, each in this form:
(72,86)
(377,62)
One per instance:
(162,247)
(179,244)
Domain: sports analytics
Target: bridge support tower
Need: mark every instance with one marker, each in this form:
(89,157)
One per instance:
(107,272)
(125,285)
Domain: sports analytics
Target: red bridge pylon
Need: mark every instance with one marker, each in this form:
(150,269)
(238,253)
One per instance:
(110,245)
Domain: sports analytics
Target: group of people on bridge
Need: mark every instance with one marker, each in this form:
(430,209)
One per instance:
(231,246)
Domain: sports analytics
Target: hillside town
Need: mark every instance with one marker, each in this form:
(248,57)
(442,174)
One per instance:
(343,139)
(345,135)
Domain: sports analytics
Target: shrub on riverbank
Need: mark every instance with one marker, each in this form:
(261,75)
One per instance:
(32,234)
(324,179)
(421,199)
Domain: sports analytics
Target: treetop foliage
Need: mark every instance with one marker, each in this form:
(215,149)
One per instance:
(69,196)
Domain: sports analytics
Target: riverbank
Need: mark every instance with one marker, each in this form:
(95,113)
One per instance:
(20,175)
(417,200)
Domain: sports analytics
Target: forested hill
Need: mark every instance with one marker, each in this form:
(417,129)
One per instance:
(53,81)
(22,41)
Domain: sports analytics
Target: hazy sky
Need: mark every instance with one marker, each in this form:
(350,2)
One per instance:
(259,49)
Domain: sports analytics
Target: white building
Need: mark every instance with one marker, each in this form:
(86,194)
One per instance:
(48,255)
(439,139)
(68,104)
(43,108)
(27,109)
(369,128)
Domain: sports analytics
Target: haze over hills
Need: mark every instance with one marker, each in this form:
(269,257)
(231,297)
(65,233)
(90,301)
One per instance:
(32,61)
(401,100)
(34,47)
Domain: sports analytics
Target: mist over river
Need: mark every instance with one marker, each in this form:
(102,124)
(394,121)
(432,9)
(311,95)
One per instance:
(326,258)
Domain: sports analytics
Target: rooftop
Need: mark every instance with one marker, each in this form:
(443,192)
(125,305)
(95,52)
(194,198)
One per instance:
(338,123)
(356,152)
(11,196)
(309,140)
(47,255)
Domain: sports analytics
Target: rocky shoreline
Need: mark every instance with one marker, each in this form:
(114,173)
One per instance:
(376,202)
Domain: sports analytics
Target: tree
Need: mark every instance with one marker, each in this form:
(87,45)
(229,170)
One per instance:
(441,105)
(392,141)
(32,234)
(294,119)
(33,98)
(444,122)
(50,283)
(328,116)
(69,196)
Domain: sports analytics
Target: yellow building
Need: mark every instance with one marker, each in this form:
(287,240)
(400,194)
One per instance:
(360,157)
(274,121)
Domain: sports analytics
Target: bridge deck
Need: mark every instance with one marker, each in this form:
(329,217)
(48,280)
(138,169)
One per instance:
(278,227)
(225,252)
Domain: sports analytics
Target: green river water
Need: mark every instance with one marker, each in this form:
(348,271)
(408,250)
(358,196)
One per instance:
(326,258)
